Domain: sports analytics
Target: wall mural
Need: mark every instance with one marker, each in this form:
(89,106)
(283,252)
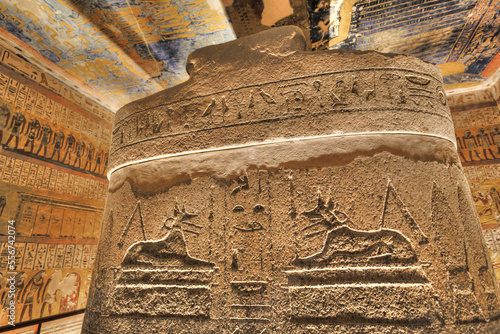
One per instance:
(476,117)
(53,161)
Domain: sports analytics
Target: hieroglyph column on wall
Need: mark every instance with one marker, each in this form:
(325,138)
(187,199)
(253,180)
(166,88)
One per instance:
(281,191)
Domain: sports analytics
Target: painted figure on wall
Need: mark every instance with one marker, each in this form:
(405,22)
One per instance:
(99,156)
(470,142)
(484,140)
(70,288)
(58,144)
(495,137)
(460,147)
(485,201)
(33,131)
(4,119)
(475,139)
(20,280)
(17,126)
(80,151)
(90,156)
(106,157)
(50,292)
(34,285)
(495,197)
(70,143)
(46,134)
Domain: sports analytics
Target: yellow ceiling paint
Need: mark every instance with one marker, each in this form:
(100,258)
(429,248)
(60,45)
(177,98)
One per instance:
(451,68)
(461,85)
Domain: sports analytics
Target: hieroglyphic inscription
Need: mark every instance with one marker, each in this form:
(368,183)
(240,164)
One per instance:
(36,176)
(477,249)
(51,256)
(182,217)
(29,255)
(68,256)
(59,258)
(408,91)
(86,256)
(43,256)
(20,249)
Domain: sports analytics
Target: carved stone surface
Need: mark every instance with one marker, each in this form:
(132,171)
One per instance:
(280,191)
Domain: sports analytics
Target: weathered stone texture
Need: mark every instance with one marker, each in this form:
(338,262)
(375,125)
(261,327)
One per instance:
(280,191)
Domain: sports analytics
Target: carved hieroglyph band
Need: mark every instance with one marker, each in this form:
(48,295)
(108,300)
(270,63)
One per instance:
(158,172)
(352,100)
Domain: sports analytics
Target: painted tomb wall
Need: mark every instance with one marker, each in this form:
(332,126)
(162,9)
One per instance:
(476,116)
(53,160)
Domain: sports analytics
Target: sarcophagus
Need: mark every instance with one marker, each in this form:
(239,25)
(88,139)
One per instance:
(282,191)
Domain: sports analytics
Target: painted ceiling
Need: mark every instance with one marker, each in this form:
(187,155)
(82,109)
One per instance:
(124,49)
(128,49)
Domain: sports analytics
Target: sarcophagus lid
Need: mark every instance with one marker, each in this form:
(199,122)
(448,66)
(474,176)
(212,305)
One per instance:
(284,191)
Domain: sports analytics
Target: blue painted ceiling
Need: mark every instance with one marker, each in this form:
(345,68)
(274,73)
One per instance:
(128,49)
